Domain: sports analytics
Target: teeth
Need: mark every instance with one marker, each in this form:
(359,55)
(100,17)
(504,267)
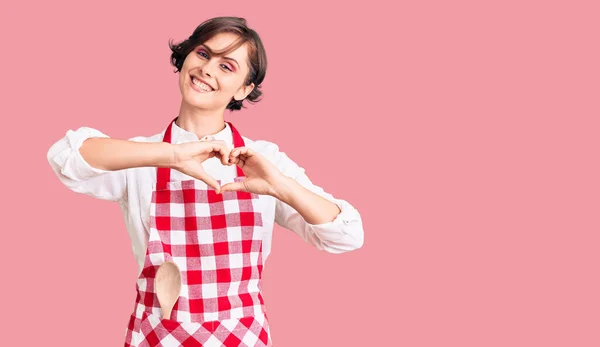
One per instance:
(201,85)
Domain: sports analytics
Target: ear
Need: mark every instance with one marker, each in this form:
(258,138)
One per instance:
(243,92)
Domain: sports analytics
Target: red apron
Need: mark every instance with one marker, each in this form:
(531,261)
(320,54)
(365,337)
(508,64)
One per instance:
(216,241)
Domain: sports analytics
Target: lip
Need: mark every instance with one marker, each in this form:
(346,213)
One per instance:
(201,80)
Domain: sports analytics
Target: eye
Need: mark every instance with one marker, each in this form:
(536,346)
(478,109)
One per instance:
(202,52)
(226,66)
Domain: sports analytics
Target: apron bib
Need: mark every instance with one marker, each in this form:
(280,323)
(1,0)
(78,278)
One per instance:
(216,241)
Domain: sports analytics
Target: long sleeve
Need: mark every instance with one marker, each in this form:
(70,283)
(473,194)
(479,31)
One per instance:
(344,233)
(78,175)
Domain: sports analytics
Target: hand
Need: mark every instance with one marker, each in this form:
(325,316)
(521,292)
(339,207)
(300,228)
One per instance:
(262,177)
(188,158)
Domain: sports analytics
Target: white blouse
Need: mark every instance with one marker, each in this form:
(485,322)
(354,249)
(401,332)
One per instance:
(132,189)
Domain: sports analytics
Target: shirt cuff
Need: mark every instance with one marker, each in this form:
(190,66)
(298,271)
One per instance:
(70,160)
(345,232)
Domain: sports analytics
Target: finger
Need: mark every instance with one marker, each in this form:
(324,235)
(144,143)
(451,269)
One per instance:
(220,149)
(248,152)
(242,151)
(210,145)
(234,186)
(237,160)
(233,156)
(224,153)
(203,176)
(239,151)
(244,154)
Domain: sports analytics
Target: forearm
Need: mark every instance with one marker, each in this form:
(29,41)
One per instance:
(115,154)
(314,208)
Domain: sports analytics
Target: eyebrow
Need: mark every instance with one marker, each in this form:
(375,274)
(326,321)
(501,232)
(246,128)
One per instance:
(212,53)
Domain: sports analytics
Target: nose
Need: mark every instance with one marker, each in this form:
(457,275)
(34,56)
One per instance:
(208,68)
(205,71)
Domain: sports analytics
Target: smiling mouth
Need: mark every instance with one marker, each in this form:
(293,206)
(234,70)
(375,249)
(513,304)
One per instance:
(200,87)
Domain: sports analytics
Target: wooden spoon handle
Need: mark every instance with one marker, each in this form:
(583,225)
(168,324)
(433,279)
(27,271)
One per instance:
(168,286)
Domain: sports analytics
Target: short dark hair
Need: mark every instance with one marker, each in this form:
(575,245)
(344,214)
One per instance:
(256,53)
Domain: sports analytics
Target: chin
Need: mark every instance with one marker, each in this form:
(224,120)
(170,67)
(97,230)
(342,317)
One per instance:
(197,103)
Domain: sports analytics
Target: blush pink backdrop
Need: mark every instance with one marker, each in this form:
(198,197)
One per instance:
(465,132)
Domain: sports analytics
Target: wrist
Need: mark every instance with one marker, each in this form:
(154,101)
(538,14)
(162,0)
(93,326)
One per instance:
(170,155)
(283,188)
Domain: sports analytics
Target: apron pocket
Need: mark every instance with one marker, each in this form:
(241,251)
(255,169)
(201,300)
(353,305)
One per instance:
(251,330)
(156,331)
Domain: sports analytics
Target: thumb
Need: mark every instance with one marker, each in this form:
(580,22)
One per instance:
(234,186)
(203,176)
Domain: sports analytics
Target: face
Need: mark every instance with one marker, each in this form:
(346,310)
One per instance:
(210,82)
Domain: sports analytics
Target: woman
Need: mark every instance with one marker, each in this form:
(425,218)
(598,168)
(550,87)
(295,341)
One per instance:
(204,197)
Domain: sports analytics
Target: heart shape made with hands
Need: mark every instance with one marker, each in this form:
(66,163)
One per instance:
(218,156)
(260,173)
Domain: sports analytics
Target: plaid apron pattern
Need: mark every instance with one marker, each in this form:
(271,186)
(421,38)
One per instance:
(216,241)
(246,331)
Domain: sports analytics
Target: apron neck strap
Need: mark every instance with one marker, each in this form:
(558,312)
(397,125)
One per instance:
(163,175)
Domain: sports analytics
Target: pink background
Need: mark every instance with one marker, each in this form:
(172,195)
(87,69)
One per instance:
(465,132)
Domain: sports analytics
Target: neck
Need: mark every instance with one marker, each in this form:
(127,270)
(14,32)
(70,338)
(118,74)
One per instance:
(200,122)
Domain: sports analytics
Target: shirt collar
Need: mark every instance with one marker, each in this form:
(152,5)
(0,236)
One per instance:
(180,135)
